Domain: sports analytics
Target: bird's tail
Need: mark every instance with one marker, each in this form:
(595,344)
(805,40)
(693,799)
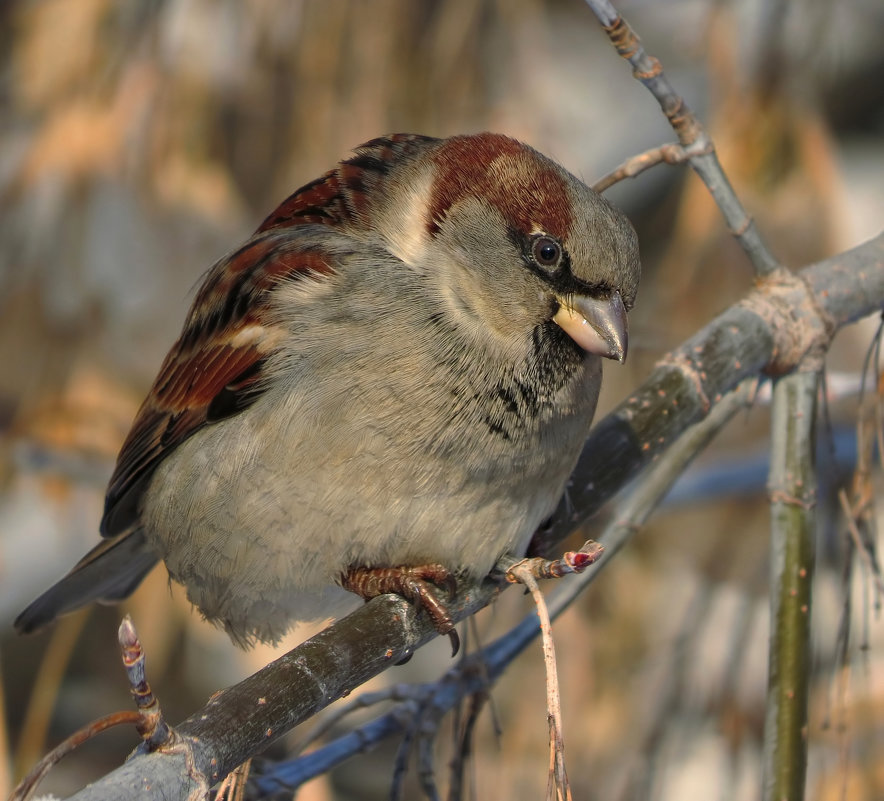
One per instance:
(108,573)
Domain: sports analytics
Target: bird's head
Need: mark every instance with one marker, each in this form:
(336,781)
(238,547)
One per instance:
(515,241)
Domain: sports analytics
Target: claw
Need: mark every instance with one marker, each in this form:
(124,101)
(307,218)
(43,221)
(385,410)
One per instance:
(413,583)
(449,583)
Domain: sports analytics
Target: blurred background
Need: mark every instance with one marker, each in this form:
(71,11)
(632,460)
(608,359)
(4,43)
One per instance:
(142,140)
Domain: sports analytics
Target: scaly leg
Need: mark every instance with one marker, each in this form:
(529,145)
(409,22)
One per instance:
(413,583)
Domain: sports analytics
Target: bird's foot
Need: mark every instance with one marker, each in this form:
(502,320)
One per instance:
(413,583)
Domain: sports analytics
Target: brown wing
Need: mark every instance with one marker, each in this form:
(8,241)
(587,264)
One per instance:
(215,369)
(340,197)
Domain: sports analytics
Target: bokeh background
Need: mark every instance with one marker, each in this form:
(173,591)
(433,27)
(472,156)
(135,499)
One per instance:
(141,140)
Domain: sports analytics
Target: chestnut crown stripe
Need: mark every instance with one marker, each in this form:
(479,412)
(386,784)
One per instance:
(501,169)
(489,165)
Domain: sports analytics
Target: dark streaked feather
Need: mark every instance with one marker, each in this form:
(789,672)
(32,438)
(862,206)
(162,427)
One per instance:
(215,369)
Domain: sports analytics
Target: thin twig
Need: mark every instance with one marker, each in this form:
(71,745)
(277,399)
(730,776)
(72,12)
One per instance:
(155,732)
(568,563)
(148,719)
(464,726)
(26,787)
(464,744)
(691,135)
(557,785)
(426,768)
(671,153)
(233,786)
(400,764)
(398,692)
(879,396)
(861,546)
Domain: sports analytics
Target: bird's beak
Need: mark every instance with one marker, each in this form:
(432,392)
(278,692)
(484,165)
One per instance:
(597,326)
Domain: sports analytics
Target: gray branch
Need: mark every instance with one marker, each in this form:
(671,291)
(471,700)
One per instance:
(691,134)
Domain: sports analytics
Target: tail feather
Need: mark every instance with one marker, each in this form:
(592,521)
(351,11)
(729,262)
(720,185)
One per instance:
(109,572)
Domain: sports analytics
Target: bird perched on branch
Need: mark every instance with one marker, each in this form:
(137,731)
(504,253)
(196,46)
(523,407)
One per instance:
(388,384)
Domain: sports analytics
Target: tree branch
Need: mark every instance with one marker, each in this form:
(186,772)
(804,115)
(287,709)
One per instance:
(691,135)
(670,153)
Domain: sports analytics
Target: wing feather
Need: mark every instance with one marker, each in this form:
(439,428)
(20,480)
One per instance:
(216,368)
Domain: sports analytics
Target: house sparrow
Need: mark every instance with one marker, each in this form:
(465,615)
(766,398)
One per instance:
(387,384)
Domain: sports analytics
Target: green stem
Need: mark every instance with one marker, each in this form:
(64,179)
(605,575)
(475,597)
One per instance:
(792,489)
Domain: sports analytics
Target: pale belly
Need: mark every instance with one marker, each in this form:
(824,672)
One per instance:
(260,525)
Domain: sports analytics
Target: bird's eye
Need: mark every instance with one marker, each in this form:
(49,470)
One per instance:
(546,252)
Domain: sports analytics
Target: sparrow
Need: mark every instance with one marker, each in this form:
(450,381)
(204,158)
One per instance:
(387,385)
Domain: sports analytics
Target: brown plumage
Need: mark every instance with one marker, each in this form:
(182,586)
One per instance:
(397,368)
